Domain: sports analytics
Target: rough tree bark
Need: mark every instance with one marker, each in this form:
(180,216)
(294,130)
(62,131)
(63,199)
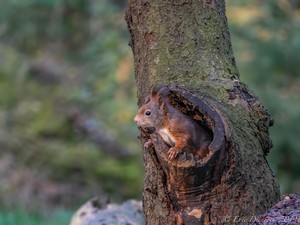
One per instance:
(186,44)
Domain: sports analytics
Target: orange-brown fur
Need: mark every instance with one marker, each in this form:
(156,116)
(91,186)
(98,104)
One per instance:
(179,131)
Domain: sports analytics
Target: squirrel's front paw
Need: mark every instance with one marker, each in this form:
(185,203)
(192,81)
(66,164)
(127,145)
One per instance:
(148,144)
(173,152)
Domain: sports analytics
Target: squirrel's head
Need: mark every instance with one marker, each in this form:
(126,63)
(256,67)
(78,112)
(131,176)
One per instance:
(151,113)
(147,115)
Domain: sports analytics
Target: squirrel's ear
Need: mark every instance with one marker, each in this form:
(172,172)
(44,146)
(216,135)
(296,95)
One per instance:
(160,101)
(147,100)
(156,89)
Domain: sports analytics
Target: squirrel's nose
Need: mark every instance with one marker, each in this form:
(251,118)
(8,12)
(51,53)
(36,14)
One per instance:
(135,119)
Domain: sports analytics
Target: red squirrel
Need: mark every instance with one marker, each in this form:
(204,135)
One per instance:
(179,131)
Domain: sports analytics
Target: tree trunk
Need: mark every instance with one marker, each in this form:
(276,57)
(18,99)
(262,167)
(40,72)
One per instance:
(185,44)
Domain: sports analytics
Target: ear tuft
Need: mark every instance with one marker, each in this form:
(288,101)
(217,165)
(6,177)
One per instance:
(147,100)
(155,91)
(160,101)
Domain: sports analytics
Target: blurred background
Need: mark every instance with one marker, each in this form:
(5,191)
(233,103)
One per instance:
(67,100)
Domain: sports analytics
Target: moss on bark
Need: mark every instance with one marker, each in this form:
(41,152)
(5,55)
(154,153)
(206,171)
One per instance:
(187,43)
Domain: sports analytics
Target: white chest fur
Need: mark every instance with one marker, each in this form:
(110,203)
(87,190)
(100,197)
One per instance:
(166,136)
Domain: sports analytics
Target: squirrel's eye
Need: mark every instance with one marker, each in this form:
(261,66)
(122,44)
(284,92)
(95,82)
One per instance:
(148,112)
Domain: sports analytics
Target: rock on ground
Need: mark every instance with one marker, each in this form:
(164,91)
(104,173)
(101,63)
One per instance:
(95,213)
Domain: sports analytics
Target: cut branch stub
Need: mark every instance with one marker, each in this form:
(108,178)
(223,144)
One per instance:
(241,95)
(188,179)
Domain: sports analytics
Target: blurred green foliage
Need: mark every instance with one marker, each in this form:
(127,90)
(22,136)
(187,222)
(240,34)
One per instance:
(59,217)
(57,55)
(266,41)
